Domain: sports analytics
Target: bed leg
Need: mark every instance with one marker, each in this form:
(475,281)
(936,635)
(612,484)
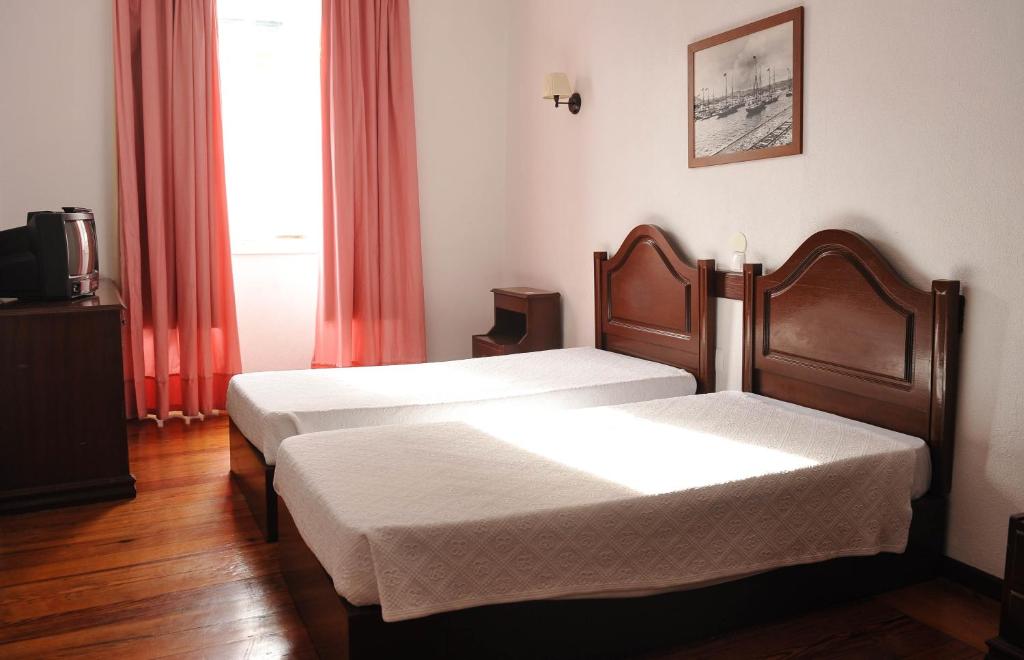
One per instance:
(255,479)
(270,522)
(320,608)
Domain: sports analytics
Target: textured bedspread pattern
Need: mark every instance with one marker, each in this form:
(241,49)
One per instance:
(663,494)
(271,406)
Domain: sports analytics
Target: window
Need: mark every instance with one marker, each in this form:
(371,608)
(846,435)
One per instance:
(270,100)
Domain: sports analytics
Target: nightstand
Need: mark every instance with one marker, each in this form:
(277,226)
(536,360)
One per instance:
(525,320)
(1010,643)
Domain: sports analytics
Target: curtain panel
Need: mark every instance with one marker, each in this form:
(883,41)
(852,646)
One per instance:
(181,340)
(370,302)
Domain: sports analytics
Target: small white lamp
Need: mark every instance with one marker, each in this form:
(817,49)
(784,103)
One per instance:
(556,86)
(738,243)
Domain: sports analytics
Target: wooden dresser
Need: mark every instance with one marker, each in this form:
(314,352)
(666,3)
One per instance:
(525,320)
(1010,643)
(62,423)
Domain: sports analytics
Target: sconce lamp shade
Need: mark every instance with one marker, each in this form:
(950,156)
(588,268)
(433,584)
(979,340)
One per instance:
(556,84)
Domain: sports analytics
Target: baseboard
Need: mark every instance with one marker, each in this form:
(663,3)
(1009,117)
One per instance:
(67,494)
(1000,649)
(973,578)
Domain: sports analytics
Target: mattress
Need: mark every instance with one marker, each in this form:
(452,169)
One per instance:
(270,406)
(619,500)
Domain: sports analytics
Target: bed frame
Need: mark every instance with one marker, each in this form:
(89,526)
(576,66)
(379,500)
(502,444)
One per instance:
(835,328)
(638,312)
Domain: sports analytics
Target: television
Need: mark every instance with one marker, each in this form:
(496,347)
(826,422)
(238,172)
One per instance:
(53,257)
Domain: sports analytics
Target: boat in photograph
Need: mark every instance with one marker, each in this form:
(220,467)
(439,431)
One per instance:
(730,103)
(702,108)
(729,109)
(773,94)
(756,102)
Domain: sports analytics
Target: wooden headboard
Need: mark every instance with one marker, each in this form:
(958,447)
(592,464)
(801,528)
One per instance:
(837,329)
(651,304)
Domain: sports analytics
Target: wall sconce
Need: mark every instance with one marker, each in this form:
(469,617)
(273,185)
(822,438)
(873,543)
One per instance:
(556,86)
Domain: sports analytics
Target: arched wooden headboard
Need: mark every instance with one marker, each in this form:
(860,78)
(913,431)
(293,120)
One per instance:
(651,304)
(837,329)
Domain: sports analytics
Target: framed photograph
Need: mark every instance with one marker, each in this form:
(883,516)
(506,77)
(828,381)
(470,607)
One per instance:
(746,92)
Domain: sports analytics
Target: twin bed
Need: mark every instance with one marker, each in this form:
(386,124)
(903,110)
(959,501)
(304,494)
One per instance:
(481,529)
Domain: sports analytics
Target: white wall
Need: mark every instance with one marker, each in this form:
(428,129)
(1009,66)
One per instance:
(57,114)
(459,64)
(912,138)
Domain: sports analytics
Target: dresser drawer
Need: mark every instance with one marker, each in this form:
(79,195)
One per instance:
(513,303)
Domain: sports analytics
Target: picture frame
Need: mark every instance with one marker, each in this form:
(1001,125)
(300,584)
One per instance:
(746,92)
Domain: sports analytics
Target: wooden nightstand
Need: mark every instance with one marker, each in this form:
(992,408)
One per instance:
(1010,643)
(525,320)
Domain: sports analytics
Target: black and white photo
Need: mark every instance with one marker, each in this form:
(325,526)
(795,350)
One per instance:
(746,92)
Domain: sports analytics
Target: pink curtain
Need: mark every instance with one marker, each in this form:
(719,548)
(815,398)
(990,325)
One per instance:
(370,305)
(181,341)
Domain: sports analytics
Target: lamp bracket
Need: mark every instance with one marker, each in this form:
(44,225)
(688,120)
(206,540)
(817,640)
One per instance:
(575,102)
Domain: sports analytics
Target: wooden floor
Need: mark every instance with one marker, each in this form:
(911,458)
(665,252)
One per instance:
(181,572)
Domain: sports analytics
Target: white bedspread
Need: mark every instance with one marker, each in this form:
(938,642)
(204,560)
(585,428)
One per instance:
(615,500)
(273,405)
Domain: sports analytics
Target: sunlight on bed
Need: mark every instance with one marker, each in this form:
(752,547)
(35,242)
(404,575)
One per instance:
(646,456)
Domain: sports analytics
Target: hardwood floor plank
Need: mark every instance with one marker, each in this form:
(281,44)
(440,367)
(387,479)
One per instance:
(175,636)
(142,546)
(864,629)
(260,645)
(96,589)
(193,608)
(951,608)
(113,528)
